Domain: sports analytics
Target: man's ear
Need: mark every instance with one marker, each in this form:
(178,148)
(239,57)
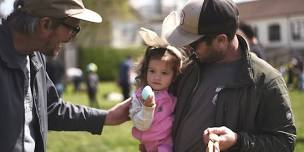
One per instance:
(221,40)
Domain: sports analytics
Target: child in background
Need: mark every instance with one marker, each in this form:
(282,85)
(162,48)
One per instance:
(153,117)
(302,80)
(92,82)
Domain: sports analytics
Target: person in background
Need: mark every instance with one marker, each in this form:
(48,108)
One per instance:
(302,81)
(152,117)
(124,77)
(295,69)
(298,70)
(56,71)
(30,104)
(227,90)
(247,31)
(92,82)
(75,75)
(291,74)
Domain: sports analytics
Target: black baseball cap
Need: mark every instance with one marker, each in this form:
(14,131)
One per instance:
(199,18)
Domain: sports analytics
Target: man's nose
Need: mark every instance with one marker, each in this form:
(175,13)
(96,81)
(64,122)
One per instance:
(70,38)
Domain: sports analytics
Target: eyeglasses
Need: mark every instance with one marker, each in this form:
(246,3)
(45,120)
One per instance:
(74,29)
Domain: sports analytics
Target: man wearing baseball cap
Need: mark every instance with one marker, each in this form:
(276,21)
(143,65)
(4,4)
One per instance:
(226,90)
(29,104)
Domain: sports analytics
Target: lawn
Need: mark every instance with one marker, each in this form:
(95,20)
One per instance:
(119,139)
(113,138)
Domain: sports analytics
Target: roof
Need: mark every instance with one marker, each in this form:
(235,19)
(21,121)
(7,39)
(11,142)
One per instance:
(270,8)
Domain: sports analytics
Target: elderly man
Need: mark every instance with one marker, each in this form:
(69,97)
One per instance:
(226,90)
(29,104)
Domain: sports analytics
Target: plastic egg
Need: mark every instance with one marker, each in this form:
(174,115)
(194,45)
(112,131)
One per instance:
(146,92)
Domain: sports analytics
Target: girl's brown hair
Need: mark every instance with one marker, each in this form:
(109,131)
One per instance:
(158,53)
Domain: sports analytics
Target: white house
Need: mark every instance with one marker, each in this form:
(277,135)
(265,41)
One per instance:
(279,25)
(124,34)
(149,13)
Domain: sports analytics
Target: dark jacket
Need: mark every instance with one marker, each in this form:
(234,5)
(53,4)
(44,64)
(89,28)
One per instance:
(256,106)
(51,112)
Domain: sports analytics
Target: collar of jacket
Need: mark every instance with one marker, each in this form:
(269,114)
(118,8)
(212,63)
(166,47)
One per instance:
(9,54)
(246,74)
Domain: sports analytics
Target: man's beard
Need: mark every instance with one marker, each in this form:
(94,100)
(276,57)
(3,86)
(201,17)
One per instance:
(53,51)
(213,57)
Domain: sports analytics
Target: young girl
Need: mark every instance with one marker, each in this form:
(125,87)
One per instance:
(153,117)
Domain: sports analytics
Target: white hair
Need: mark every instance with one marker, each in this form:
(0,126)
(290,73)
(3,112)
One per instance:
(6,7)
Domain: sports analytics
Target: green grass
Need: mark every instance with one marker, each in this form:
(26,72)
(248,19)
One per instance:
(119,139)
(113,138)
(297,101)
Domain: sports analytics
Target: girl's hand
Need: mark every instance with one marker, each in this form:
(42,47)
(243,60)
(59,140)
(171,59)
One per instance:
(147,96)
(150,101)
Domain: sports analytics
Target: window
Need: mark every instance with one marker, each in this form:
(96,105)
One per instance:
(274,32)
(297,30)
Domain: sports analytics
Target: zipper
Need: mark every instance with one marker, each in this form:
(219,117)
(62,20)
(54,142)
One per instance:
(187,104)
(192,94)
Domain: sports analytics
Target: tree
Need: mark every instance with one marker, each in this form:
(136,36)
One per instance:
(95,35)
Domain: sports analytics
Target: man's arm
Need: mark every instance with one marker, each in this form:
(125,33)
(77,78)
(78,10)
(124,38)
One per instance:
(119,113)
(63,116)
(275,128)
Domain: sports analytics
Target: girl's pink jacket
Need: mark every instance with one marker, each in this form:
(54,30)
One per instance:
(161,127)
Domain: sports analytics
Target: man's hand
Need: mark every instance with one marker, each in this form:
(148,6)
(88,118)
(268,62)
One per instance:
(213,144)
(227,138)
(119,113)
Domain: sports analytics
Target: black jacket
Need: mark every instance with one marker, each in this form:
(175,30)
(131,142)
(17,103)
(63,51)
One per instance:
(256,106)
(51,112)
